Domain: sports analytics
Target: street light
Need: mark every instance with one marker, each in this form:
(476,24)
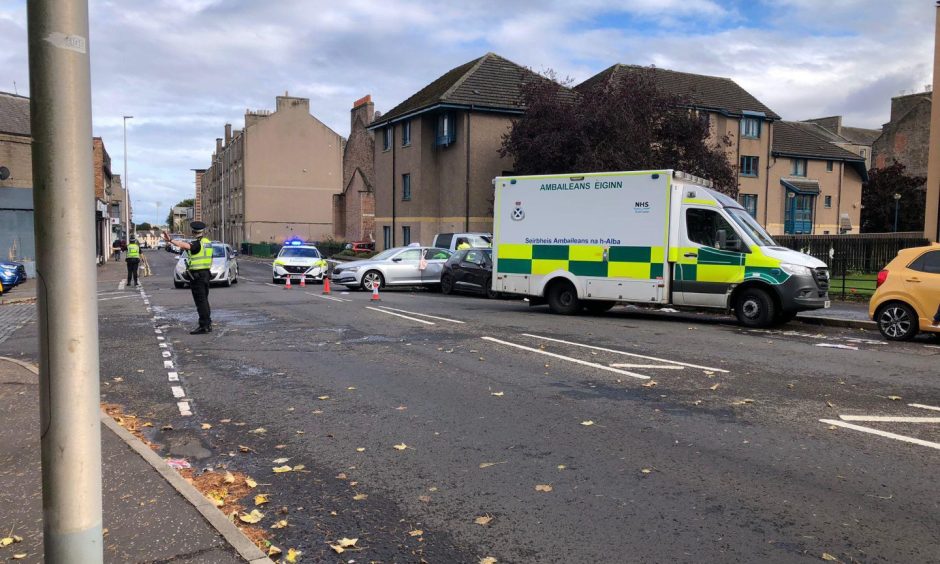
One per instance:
(897,201)
(127,190)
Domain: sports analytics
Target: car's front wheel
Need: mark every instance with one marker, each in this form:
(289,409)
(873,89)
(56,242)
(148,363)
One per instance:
(372,279)
(897,321)
(488,289)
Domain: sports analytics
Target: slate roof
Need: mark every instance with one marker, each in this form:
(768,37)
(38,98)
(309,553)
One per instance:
(809,140)
(705,92)
(860,135)
(14,114)
(489,82)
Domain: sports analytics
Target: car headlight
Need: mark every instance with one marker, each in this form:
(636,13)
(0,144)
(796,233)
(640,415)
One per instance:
(351,269)
(795,269)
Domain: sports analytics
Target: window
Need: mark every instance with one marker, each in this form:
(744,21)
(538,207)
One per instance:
(749,201)
(828,166)
(387,236)
(436,254)
(929,262)
(406,237)
(406,133)
(473,257)
(446,133)
(749,166)
(703,227)
(862,153)
(798,167)
(406,187)
(387,138)
(827,201)
(750,128)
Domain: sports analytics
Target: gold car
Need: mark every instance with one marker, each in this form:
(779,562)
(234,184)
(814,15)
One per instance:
(908,294)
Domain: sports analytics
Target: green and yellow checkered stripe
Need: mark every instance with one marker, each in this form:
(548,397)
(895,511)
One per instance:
(641,263)
(714,265)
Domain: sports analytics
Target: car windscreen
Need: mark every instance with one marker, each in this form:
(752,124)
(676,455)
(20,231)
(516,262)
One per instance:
(218,251)
(480,241)
(751,227)
(299,252)
(384,254)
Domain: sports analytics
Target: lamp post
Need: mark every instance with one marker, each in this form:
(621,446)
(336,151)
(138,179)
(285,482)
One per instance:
(127,190)
(897,201)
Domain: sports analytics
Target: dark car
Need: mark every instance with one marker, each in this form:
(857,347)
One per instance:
(469,270)
(11,274)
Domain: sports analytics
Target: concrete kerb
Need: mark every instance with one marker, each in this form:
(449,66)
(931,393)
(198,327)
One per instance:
(837,322)
(232,534)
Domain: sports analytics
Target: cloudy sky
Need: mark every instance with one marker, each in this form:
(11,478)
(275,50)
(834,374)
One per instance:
(183,68)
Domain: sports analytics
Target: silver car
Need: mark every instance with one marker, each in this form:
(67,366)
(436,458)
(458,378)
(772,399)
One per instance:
(401,266)
(224,269)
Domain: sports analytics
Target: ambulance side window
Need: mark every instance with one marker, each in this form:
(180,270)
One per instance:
(703,227)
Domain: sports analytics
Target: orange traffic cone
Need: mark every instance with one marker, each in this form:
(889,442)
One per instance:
(303,281)
(287,284)
(375,293)
(326,285)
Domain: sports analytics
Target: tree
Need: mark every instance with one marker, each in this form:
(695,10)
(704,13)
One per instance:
(878,202)
(187,203)
(620,124)
(144,226)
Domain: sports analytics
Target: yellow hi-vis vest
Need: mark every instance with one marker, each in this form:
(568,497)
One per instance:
(133,250)
(203,259)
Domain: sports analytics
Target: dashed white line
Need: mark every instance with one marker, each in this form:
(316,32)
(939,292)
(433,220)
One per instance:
(880,433)
(161,338)
(184,408)
(331,298)
(178,391)
(173,376)
(568,358)
(625,353)
(922,406)
(656,366)
(423,315)
(400,315)
(121,284)
(162,345)
(168,364)
(889,419)
(116,298)
(158,331)
(166,354)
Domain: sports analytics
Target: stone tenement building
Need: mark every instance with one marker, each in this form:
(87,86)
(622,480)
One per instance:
(906,137)
(276,177)
(354,208)
(858,140)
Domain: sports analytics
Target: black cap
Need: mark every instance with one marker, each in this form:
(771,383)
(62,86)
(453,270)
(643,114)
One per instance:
(197,226)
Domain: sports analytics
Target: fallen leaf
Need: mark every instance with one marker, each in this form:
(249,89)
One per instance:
(6,541)
(829,403)
(225,420)
(299,467)
(20,556)
(280,524)
(488,464)
(832,427)
(416,533)
(261,499)
(650,384)
(483,520)
(206,426)
(401,446)
(432,489)
(229,478)
(323,397)
(252,517)
(166,428)
(715,387)
(742,402)
(587,423)
(543,488)
(488,560)
(400,408)
(280,460)
(342,544)
(341,476)
(360,497)
(259,431)
(351,388)
(250,483)
(293,554)
(273,551)
(497,394)
(894,398)
(243,448)
(424,498)
(829,557)
(561,466)
(147,424)
(708,372)
(279,447)
(360,449)
(646,470)
(280,469)
(118,379)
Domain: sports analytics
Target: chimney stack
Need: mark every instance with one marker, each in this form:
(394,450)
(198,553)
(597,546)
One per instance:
(218,146)
(228,134)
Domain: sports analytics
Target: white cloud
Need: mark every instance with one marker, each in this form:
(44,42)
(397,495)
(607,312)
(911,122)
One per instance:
(184,68)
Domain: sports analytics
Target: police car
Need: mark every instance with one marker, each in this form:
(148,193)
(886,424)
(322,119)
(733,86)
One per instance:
(298,259)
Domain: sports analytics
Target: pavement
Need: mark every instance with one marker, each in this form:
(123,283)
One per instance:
(151,514)
(454,428)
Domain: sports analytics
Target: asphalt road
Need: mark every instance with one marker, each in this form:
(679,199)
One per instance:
(663,437)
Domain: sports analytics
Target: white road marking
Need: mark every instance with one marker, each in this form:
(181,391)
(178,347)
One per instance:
(880,433)
(168,364)
(626,353)
(889,419)
(173,376)
(331,298)
(922,406)
(275,285)
(422,314)
(115,298)
(158,331)
(108,293)
(166,354)
(400,315)
(568,358)
(178,391)
(656,366)
(161,338)
(162,345)
(121,284)
(184,408)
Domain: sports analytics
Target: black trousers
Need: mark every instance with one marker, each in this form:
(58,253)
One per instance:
(199,284)
(132,265)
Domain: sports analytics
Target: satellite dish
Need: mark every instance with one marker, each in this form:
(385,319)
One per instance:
(4,173)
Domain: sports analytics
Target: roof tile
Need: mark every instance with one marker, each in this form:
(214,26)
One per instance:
(14,114)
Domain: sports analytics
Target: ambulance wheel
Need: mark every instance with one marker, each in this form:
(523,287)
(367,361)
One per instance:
(563,298)
(754,308)
(599,306)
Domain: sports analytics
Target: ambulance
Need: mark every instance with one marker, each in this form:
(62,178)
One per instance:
(658,237)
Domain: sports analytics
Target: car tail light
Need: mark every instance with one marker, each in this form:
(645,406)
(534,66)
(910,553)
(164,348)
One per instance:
(882,276)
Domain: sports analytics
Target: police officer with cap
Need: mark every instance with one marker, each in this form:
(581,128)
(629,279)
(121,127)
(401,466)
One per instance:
(198,263)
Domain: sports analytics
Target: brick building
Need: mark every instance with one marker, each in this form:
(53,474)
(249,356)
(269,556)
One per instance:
(197,199)
(354,208)
(858,140)
(17,241)
(906,137)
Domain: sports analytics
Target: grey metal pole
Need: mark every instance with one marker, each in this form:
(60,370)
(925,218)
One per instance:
(64,201)
(127,190)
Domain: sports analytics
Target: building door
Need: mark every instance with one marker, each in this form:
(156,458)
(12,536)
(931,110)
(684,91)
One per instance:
(798,218)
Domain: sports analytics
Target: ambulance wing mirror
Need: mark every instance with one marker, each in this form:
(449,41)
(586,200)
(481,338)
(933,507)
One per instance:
(728,245)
